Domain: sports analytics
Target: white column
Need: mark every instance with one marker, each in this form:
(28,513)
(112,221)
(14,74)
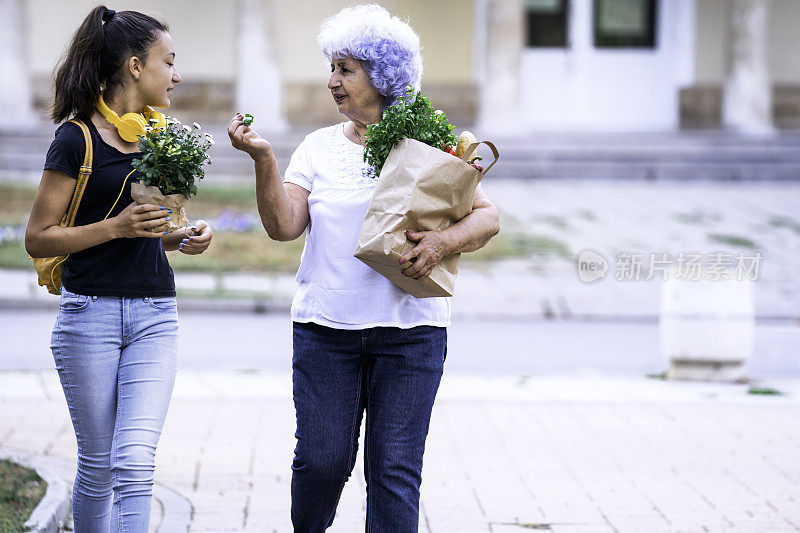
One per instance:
(258,83)
(747,97)
(499,85)
(16,93)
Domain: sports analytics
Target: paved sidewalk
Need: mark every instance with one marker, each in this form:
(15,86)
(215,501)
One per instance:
(576,453)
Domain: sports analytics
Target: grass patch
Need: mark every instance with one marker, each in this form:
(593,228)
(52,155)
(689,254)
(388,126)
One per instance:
(21,490)
(555,221)
(226,294)
(508,220)
(697,217)
(13,255)
(661,375)
(211,201)
(506,246)
(764,391)
(785,222)
(15,203)
(732,240)
(252,251)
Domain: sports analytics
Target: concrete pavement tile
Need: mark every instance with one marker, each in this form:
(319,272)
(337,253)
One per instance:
(757,527)
(649,527)
(570,513)
(343,526)
(463,528)
(509,527)
(221,518)
(670,453)
(268,525)
(443,517)
(19,384)
(582,528)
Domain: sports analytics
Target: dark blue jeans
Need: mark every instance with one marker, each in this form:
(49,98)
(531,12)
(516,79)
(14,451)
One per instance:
(392,374)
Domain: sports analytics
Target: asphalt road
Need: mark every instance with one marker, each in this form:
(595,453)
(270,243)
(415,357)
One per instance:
(263,342)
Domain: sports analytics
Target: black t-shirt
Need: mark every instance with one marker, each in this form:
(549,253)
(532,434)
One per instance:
(120,267)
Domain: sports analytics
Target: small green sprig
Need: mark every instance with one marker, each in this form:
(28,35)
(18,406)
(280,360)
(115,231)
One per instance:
(173,157)
(411,117)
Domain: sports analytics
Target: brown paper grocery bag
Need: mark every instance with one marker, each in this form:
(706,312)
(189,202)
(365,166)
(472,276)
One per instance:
(420,188)
(152,195)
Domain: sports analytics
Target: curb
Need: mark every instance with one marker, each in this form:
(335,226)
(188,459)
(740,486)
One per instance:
(253,306)
(194,305)
(178,511)
(53,511)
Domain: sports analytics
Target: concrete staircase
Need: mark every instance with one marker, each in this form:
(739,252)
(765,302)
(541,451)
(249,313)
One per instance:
(672,156)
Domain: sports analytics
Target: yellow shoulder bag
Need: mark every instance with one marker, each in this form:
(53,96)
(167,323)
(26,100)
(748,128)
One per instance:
(49,268)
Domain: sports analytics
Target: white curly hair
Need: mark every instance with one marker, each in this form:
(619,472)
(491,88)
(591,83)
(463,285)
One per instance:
(389,49)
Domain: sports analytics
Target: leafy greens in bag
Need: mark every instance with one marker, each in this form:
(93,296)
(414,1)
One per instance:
(411,117)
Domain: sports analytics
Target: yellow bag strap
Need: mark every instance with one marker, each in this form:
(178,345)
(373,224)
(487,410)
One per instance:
(83,177)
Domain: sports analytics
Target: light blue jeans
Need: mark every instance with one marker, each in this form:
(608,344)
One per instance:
(116,359)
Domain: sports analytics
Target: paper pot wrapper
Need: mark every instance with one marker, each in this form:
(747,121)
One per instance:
(151,195)
(420,188)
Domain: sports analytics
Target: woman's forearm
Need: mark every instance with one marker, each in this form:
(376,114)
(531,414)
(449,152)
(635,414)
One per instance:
(275,207)
(57,240)
(473,231)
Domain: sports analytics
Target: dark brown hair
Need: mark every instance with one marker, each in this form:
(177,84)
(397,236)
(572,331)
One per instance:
(94,61)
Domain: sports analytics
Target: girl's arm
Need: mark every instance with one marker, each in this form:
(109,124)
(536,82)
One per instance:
(44,237)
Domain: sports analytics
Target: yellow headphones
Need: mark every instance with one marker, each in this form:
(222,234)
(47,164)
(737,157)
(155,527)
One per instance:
(130,126)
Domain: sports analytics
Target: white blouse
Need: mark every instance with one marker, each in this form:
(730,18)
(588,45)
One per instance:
(334,288)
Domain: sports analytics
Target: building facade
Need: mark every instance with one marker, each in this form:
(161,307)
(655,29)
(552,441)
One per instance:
(507,65)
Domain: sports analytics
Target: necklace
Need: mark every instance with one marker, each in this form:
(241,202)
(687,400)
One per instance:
(358,135)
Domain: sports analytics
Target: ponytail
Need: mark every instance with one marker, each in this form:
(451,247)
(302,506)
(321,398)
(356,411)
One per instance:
(95,59)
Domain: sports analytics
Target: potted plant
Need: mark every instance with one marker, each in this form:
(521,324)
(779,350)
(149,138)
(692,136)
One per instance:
(172,160)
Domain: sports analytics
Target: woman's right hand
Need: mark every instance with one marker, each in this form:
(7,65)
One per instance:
(246,139)
(136,220)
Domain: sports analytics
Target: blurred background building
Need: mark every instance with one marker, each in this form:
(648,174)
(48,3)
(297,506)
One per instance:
(510,65)
(683,114)
(654,131)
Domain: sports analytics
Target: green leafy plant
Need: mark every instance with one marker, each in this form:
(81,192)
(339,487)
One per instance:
(764,391)
(173,157)
(411,117)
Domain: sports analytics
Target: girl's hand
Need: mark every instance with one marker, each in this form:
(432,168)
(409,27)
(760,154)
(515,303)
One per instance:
(136,220)
(430,250)
(247,140)
(199,238)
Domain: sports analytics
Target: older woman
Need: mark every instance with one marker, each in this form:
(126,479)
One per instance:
(360,343)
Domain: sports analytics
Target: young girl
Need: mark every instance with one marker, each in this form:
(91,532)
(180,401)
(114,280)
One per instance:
(114,341)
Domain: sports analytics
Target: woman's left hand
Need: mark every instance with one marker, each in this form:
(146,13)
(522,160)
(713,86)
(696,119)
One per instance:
(430,250)
(198,240)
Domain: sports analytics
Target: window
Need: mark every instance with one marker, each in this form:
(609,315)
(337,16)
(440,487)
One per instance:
(625,23)
(546,23)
